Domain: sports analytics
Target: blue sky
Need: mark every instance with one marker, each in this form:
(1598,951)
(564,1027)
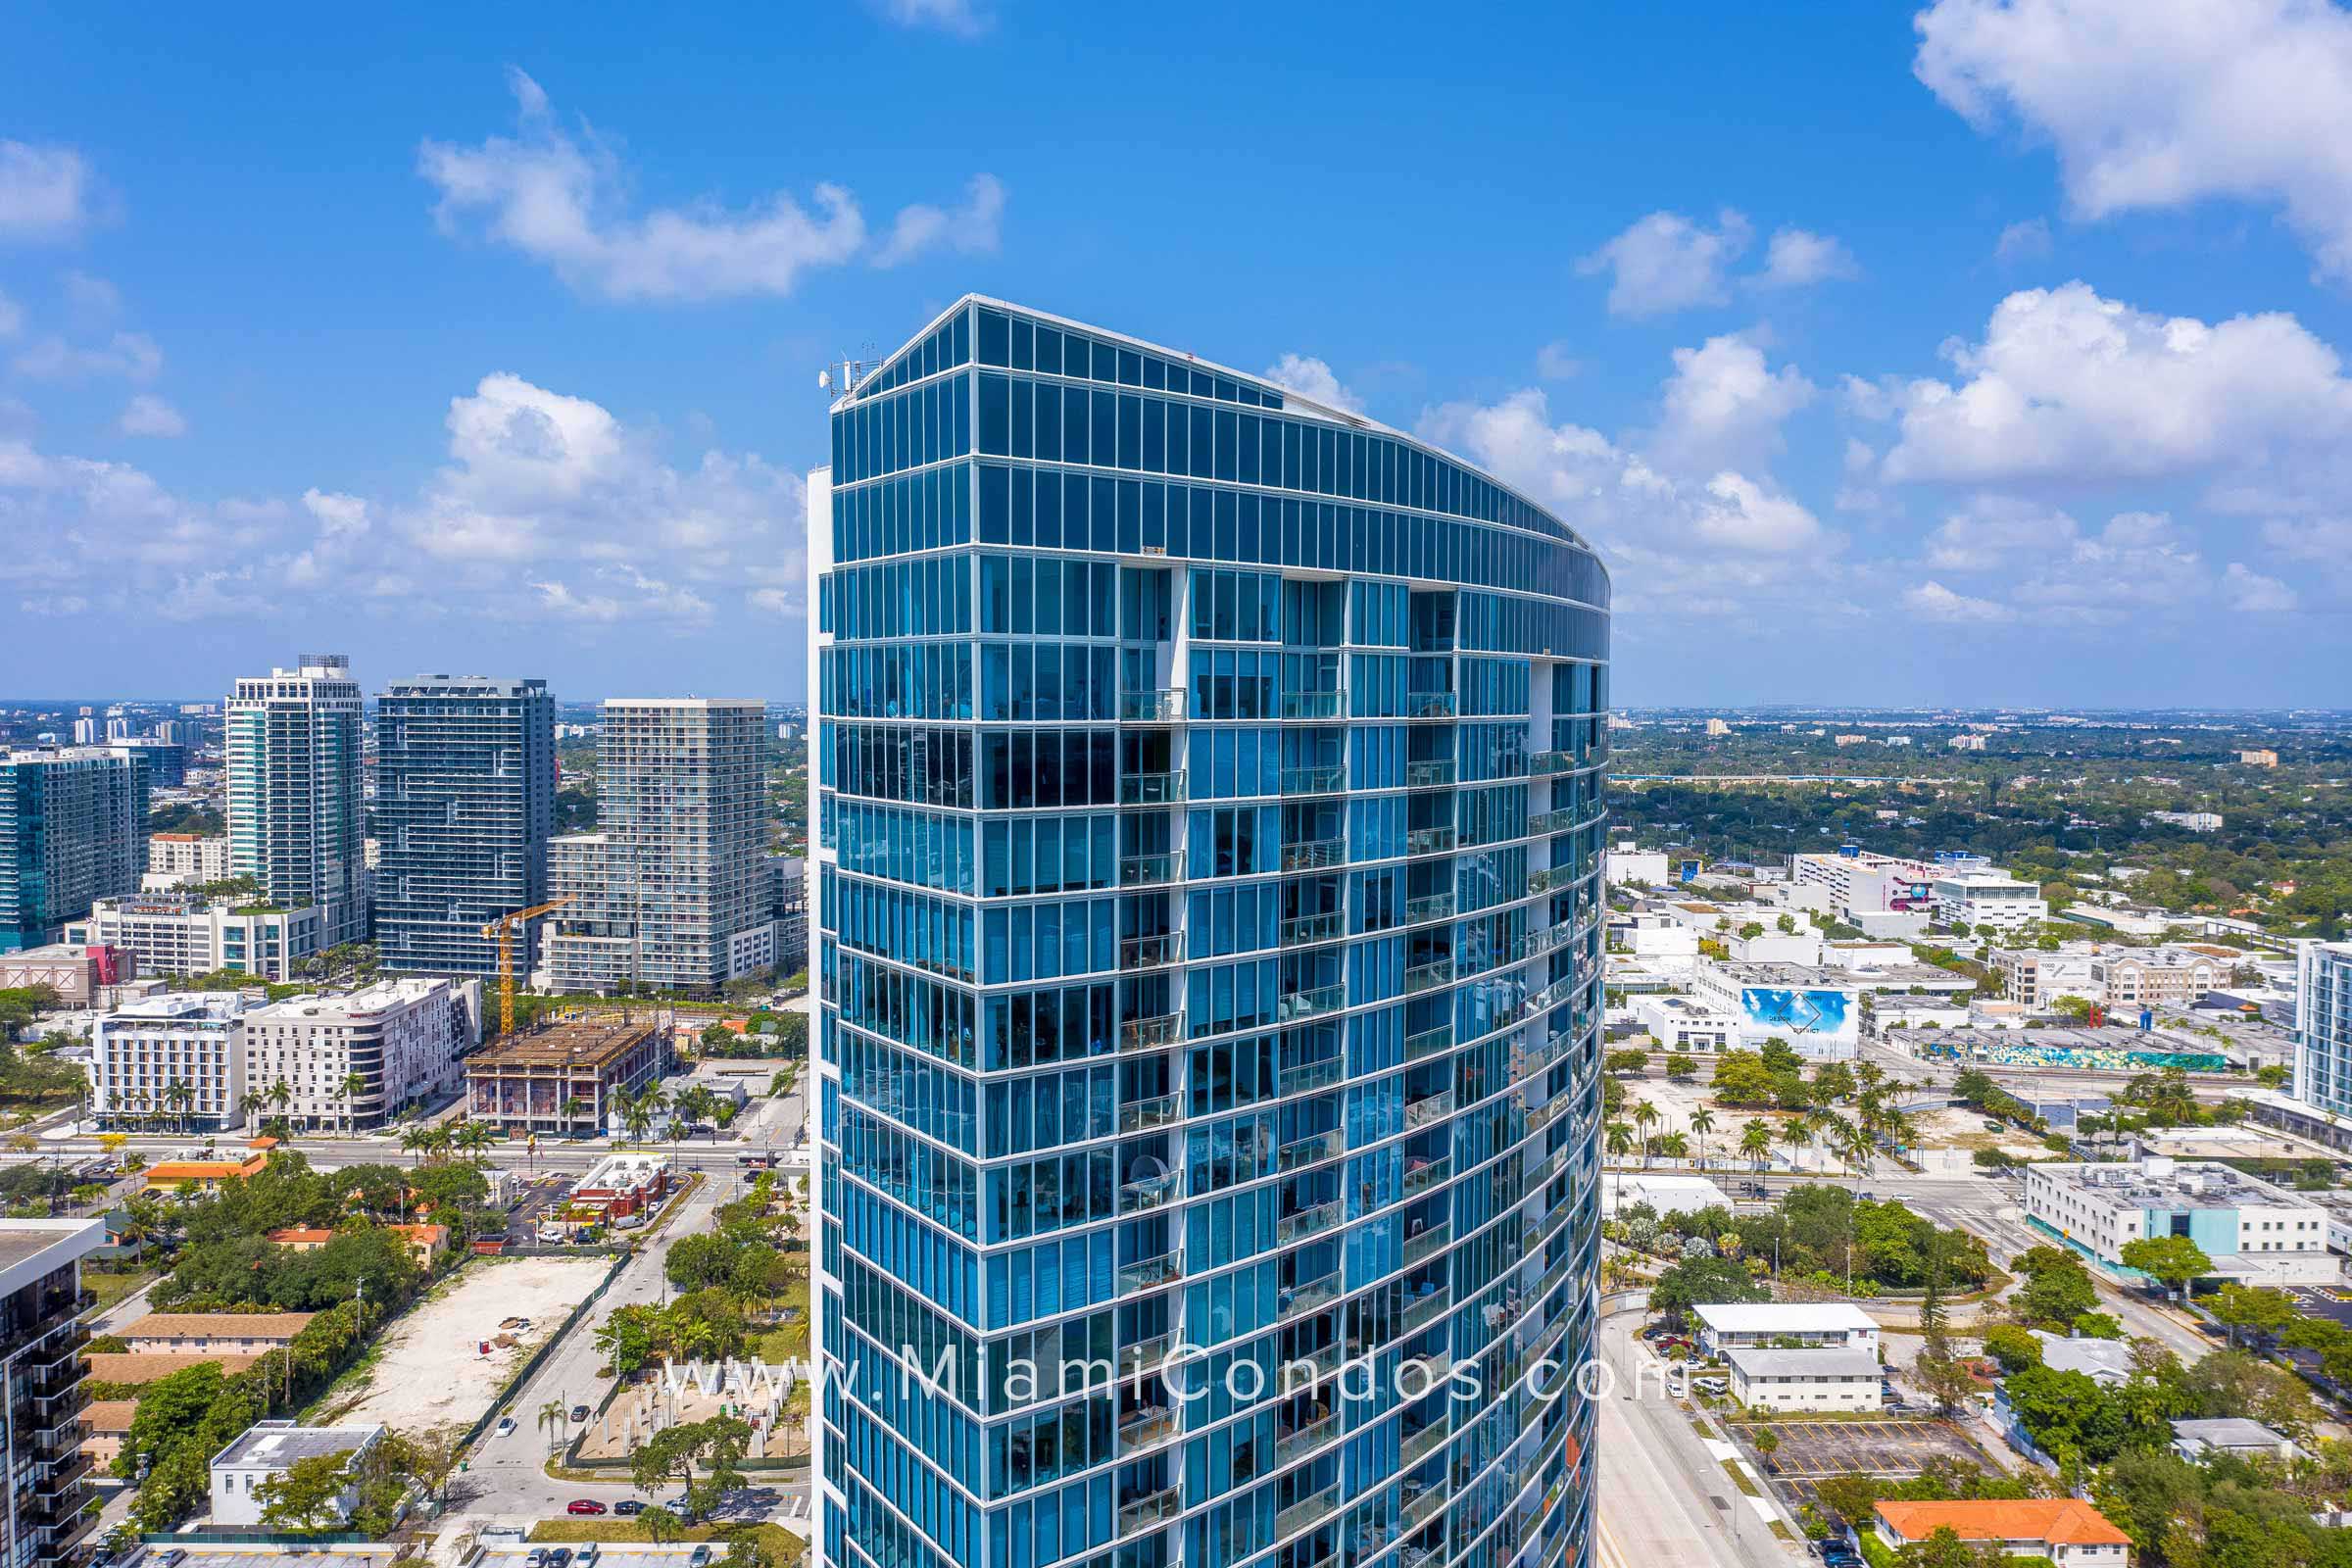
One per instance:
(1983,355)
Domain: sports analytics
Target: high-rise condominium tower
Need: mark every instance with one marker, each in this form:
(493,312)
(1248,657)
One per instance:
(72,830)
(669,893)
(295,820)
(465,803)
(1209,833)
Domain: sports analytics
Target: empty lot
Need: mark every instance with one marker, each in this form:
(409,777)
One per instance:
(1815,1451)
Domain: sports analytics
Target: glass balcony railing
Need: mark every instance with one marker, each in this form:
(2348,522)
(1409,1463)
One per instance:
(1313,855)
(1552,821)
(1308,1076)
(1294,1005)
(1418,1445)
(1421,1504)
(1427,907)
(1421,1178)
(1151,789)
(1423,1312)
(1307,1223)
(1426,976)
(1148,1193)
(1545,880)
(1427,1244)
(1313,1295)
(1427,1043)
(1306,1512)
(1430,705)
(1300,1152)
(1141,1115)
(1299,1441)
(1147,1428)
(1151,1034)
(1427,1109)
(1163,707)
(1147,1511)
(1145,1356)
(1300,930)
(1428,775)
(1154,952)
(1314,780)
(1310,704)
(1151,871)
(1430,841)
(1547,762)
(1150,1273)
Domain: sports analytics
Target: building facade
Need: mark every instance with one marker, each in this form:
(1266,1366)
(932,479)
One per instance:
(672,881)
(166,760)
(295,817)
(1209,837)
(186,933)
(2255,1233)
(355,1059)
(72,829)
(43,1377)
(464,804)
(1824,1379)
(2324,1026)
(181,860)
(569,1079)
(175,1062)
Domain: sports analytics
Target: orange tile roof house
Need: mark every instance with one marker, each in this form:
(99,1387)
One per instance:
(207,1333)
(138,1370)
(2068,1532)
(302,1238)
(206,1175)
(426,1242)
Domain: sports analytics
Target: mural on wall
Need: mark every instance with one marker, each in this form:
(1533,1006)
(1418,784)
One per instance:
(1796,1013)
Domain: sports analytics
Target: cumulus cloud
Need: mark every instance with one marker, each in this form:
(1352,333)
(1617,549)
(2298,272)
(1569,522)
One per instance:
(958,17)
(969,230)
(1313,380)
(2249,592)
(1738,514)
(1666,262)
(126,355)
(1797,259)
(44,191)
(1555,362)
(2029,241)
(1932,601)
(1990,530)
(562,200)
(1724,404)
(2154,104)
(149,414)
(2069,386)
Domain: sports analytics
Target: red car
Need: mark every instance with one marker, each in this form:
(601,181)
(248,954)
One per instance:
(583,1505)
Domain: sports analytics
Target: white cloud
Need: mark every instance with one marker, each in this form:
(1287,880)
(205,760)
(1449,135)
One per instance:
(1665,263)
(12,318)
(2068,385)
(131,356)
(2161,103)
(44,191)
(562,200)
(1796,259)
(1740,513)
(92,295)
(339,516)
(1932,601)
(969,230)
(1724,404)
(2249,592)
(2140,562)
(1556,363)
(958,17)
(1313,380)
(149,414)
(1990,530)
(2029,241)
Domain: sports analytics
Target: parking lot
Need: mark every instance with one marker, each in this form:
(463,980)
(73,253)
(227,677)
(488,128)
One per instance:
(1815,1451)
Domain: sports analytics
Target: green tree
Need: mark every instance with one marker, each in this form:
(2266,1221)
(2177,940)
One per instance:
(308,1495)
(2175,1260)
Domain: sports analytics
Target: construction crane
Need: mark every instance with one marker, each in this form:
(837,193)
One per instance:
(503,928)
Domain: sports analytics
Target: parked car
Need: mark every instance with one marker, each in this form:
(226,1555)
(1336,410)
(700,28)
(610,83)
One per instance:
(583,1505)
(579,1412)
(629,1507)
(536,1557)
(700,1556)
(506,1426)
(559,1557)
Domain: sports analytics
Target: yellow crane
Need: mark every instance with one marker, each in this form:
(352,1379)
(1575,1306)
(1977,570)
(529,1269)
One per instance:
(503,928)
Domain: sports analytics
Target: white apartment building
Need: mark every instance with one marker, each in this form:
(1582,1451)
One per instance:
(403,1040)
(1986,899)
(1753,1325)
(1806,1380)
(1685,1023)
(180,932)
(2254,1232)
(1628,864)
(295,815)
(178,859)
(268,1450)
(177,1061)
(2119,979)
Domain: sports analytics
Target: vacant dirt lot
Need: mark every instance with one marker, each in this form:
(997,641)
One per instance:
(428,1369)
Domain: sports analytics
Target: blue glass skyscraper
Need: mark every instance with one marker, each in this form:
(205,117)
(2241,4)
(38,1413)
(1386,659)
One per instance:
(1208,832)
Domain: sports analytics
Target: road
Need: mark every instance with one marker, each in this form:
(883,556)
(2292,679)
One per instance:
(1664,1497)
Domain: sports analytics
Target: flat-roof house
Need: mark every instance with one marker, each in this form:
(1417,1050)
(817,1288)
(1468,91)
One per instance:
(1830,1378)
(210,1333)
(269,1448)
(2196,1440)
(1729,1326)
(2068,1531)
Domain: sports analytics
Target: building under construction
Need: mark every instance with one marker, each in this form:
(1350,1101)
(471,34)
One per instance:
(565,1079)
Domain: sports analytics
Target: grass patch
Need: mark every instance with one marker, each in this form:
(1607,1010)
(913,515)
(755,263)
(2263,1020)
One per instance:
(1781,1530)
(1731,1467)
(787,1341)
(112,1288)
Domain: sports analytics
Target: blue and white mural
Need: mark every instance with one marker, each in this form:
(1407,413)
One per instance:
(1796,1013)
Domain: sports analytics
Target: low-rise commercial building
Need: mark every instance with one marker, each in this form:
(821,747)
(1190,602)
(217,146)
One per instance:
(176,1061)
(1827,1379)
(353,1059)
(268,1450)
(2068,1531)
(1817,1012)
(1626,864)
(184,932)
(2197,1441)
(1754,1324)
(2254,1232)
(1686,1023)
(1986,900)
(77,972)
(177,1176)
(624,1188)
(565,1079)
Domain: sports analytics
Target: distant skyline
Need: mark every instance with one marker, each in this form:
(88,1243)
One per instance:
(1990,354)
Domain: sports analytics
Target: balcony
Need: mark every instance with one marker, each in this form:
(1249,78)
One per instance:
(1304,930)
(1421,1502)
(1546,878)
(1309,1076)
(1418,1445)
(1313,855)
(1147,1428)
(1306,1512)
(1151,871)
(1299,1441)
(1430,841)
(1163,707)
(1428,1041)
(1145,1356)
(1428,976)
(1431,1242)
(1543,763)
(1310,704)
(1330,780)
(1141,1115)
(1301,1152)
(1559,821)
(1428,1109)
(1430,705)
(1150,1273)
(1151,1034)
(1152,788)
(1154,952)
(1312,1297)
(1307,1223)
(1421,1178)
(1423,1312)
(1294,1005)
(1427,907)
(1138,1197)
(1428,775)
(1148,1511)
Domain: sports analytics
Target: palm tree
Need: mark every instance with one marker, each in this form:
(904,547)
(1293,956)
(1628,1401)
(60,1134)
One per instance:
(282,1094)
(1703,1122)
(1756,1142)
(572,1109)
(247,1103)
(1674,1146)
(412,1142)
(353,1083)
(436,1141)
(474,1138)
(1798,1136)
(1644,1115)
(637,1114)
(1620,1140)
(552,1420)
(179,1097)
